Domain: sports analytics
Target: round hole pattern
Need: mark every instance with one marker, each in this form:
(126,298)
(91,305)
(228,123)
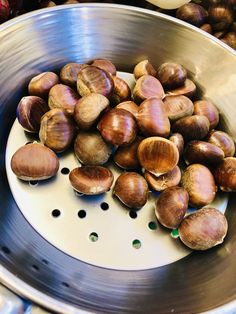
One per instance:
(133,214)
(104,206)
(56,213)
(65,170)
(136,244)
(82,213)
(152,225)
(65,284)
(93,237)
(44,261)
(6,250)
(35,267)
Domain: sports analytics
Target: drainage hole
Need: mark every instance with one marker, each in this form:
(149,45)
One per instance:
(56,213)
(133,214)
(136,244)
(45,261)
(65,284)
(35,267)
(104,206)
(33,183)
(152,225)
(82,213)
(6,250)
(65,170)
(93,236)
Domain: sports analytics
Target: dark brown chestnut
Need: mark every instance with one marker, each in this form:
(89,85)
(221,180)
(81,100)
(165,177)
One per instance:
(192,13)
(69,73)
(92,79)
(178,107)
(225,175)
(41,84)
(207,28)
(30,111)
(158,155)
(208,109)
(171,206)
(188,89)
(178,140)
(200,185)
(144,68)
(91,180)
(220,16)
(147,86)
(122,90)
(164,181)
(223,141)
(171,75)
(106,65)
(131,189)
(203,153)
(34,161)
(230,39)
(130,106)
(203,229)
(91,149)
(118,127)
(152,118)
(192,128)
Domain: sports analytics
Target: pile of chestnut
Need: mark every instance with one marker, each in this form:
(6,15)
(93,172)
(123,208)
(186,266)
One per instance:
(161,139)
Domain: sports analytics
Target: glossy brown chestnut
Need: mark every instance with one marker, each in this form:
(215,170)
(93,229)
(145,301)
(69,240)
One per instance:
(92,79)
(188,89)
(164,181)
(158,155)
(91,149)
(225,175)
(57,129)
(144,68)
(203,153)
(30,111)
(171,75)
(64,97)
(178,140)
(200,185)
(230,39)
(131,189)
(203,229)
(122,90)
(192,13)
(223,141)
(178,107)
(106,65)
(171,206)
(152,118)
(147,86)
(41,84)
(34,161)
(118,127)
(88,110)
(207,109)
(91,180)
(220,17)
(130,106)
(126,157)
(192,128)
(69,73)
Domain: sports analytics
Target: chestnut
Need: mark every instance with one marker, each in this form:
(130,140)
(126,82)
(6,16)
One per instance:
(34,161)
(188,89)
(223,141)
(30,111)
(118,127)
(192,13)
(41,84)
(220,17)
(131,189)
(130,106)
(178,140)
(57,129)
(88,110)
(208,109)
(91,180)
(171,206)
(203,229)
(126,157)
(122,90)
(230,39)
(171,75)
(203,153)
(64,97)
(144,68)
(69,73)
(200,185)
(92,79)
(152,118)
(158,155)
(106,65)
(225,175)
(192,128)
(147,86)
(207,28)
(164,181)
(178,107)
(91,149)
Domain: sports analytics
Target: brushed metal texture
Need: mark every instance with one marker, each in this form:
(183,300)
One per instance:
(31,266)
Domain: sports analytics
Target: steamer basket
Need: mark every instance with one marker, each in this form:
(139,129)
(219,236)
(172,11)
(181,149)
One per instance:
(80,255)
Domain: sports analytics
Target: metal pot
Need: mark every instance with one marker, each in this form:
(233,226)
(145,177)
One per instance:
(43,272)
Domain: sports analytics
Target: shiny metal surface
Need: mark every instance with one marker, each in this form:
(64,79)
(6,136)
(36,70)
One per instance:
(33,267)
